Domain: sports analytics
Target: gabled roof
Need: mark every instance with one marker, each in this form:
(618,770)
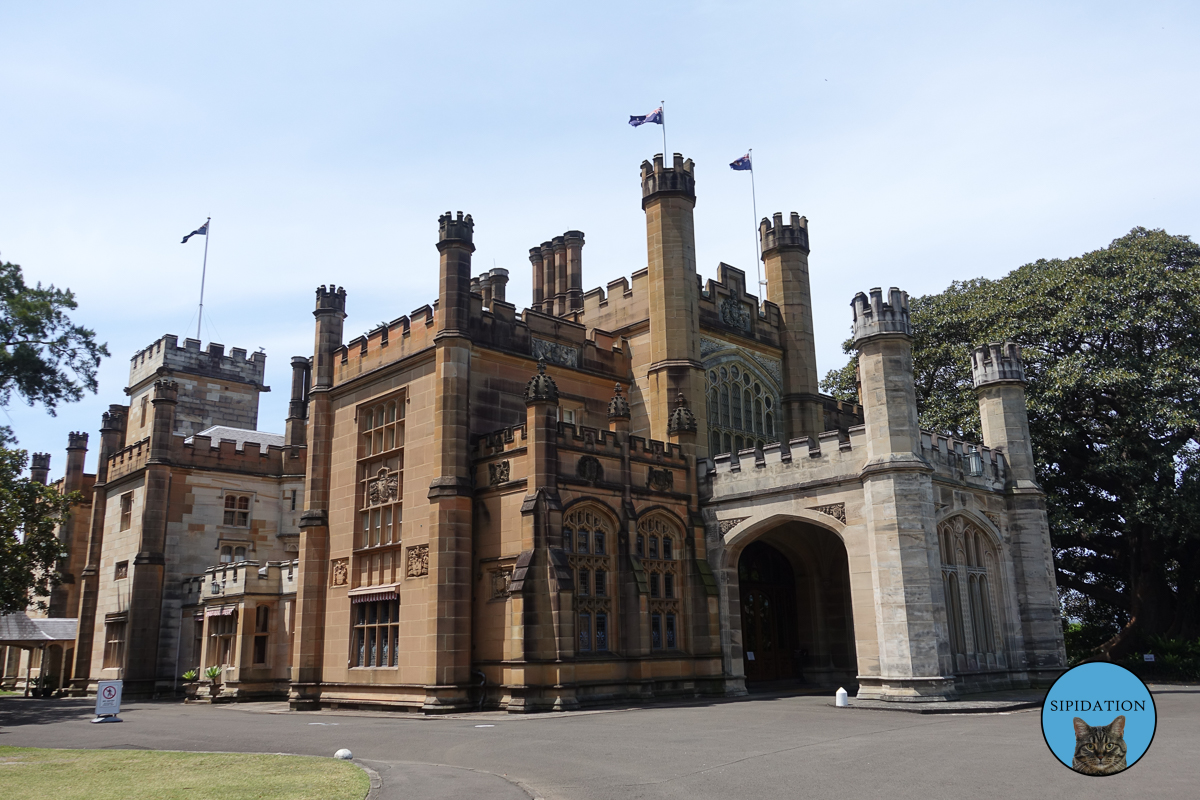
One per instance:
(18,629)
(239,435)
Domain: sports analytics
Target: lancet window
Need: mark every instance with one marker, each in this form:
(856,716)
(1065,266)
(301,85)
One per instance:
(659,544)
(742,408)
(589,537)
(969,573)
(380,492)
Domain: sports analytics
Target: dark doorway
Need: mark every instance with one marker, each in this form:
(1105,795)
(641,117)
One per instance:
(768,592)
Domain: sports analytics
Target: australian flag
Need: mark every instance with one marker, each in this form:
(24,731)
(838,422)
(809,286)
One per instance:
(742,163)
(654,116)
(201,231)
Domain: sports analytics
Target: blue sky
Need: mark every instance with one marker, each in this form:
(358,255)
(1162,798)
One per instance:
(925,143)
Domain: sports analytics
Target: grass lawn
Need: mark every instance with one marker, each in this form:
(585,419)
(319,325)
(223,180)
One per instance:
(27,772)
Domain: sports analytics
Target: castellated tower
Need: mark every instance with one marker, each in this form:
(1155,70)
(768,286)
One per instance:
(785,255)
(897,482)
(999,377)
(668,198)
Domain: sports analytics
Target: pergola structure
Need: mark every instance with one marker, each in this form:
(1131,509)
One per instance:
(25,633)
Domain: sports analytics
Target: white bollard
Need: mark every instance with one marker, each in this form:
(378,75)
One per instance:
(343,754)
(842,699)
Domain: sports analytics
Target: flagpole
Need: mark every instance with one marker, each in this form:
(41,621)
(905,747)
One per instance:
(666,155)
(204,273)
(757,243)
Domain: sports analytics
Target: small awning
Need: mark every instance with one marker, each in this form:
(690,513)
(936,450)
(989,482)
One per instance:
(219,611)
(18,630)
(369,594)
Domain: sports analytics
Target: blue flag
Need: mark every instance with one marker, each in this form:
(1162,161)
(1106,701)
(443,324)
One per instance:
(742,163)
(654,116)
(201,231)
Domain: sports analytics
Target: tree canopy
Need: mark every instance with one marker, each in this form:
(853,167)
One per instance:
(44,357)
(1111,341)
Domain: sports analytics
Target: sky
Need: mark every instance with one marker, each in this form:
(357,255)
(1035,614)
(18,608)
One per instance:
(926,143)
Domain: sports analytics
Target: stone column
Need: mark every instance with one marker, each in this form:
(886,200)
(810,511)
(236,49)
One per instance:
(499,283)
(539,277)
(550,284)
(39,467)
(77,445)
(999,377)
(574,241)
(296,426)
(910,610)
(112,439)
(450,494)
(149,565)
(562,287)
(61,597)
(668,198)
(309,650)
(785,255)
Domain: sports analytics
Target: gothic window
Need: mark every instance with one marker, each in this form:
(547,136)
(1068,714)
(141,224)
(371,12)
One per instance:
(586,533)
(748,406)
(376,638)
(237,510)
(662,570)
(380,492)
(969,564)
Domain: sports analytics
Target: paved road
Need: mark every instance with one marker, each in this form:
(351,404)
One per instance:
(751,748)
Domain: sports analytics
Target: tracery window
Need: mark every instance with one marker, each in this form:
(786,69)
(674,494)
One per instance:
(237,510)
(376,634)
(969,570)
(380,492)
(659,545)
(742,408)
(589,536)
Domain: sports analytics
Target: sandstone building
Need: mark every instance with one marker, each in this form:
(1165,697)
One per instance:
(627,492)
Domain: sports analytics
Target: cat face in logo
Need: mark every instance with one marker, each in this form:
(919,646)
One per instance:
(1099,750)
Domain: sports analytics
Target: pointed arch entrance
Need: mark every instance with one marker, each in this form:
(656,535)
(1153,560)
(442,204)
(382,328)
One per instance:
(795,610)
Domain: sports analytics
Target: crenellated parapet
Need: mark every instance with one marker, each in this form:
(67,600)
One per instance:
(998,362)
(459,230)
(77,440)
(873,316)
(165,357)
(679,179)
(331,299)
(776,235)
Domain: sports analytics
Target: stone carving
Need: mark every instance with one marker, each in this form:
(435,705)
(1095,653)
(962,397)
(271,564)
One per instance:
(590,469)
(734,314)
(383,488)
(726,525)
(418,561)
(660,480)
(555,353)
(994,517)
(501,583)
(340,571)
(498,473)
(708,346)
(771,365)
(835,510)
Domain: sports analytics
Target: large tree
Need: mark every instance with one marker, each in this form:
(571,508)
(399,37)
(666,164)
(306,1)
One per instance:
(1111,341)
(44,358)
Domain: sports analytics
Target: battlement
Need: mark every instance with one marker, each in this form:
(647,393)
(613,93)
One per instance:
(77,440)
(331,299)
(679,179)
(166,390)
(128,459)
(202,453)
(969,462)
(997,362)
(874,317)
(794,234)
(241,578)
(455,229)
(165,357)
(39,461)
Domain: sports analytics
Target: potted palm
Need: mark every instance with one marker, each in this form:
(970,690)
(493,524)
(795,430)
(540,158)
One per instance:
(191,685)
(214,674)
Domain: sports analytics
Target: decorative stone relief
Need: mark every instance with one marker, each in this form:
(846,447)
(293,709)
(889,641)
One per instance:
(555,353)
(772,365)
(383,488)
(734,314)
(590,469)
(994,517)
(660,480)
(726,525)
(498,473)
(418,561)
(708,346)
(340,571)
(501,583)
(835,510)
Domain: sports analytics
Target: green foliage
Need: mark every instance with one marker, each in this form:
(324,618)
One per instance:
(190,675)
(30,513)
(1175,659)
(1113,361)
(44,357)
(212,673)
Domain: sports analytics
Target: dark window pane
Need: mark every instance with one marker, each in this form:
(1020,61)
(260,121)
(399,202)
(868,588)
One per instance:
(656,631)
(585,632)
(668,548)
(599,542)
(601,583)
(668,585)
(568,540)
(641,545)
(601,631)
(670,631)
(654,584)
(585,580)
(654,547)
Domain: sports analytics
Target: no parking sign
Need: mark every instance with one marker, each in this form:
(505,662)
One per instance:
(108,701)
